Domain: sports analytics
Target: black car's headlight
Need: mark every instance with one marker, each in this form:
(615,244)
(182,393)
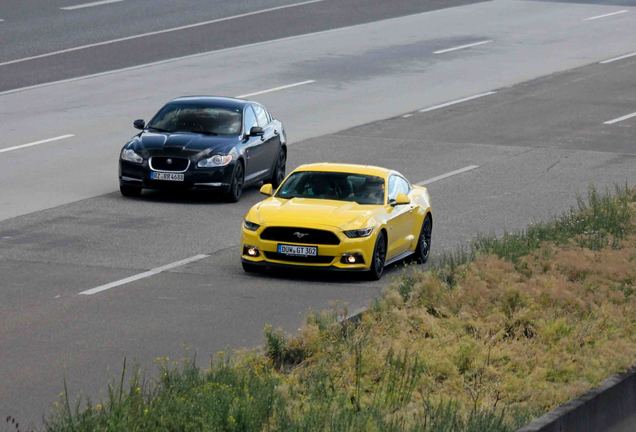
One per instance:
(250,226)
(215,161)
(366,232)
(131,156)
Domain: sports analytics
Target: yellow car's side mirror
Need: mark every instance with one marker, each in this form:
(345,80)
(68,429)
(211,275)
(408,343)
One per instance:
(267,189)
(400,199)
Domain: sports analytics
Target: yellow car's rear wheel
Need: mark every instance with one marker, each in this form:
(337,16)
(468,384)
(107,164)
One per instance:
(378,259)
(423,249)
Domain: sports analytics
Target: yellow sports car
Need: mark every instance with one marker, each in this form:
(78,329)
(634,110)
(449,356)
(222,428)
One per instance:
(338,217)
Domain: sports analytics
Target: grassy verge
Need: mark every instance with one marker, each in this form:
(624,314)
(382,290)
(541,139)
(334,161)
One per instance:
(489,338)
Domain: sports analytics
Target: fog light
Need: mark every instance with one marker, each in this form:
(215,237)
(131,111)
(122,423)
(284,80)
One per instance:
(251,251)
(353,258)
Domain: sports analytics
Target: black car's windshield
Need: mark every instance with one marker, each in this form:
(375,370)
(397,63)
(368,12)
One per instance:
(187,117)
(359,188)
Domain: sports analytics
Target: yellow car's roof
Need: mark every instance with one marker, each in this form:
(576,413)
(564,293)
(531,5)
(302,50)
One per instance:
(347,168)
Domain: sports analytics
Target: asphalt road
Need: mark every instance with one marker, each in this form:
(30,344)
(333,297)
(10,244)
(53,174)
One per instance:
(536,142)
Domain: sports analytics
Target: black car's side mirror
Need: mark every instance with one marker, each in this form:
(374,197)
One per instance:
(257,131)
(139,124)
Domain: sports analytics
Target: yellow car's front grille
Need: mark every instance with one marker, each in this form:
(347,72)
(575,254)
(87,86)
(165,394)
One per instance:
(320,259)
(300,235)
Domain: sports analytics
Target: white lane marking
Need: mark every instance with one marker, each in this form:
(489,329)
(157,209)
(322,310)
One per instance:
(448,174)
(1,20)
(612,60)
(92,4)
(143,275)
(407,115)
(460,47)
(466,99)
(34,143)
(606,15)
(273,89)
(173,29)
(620,119)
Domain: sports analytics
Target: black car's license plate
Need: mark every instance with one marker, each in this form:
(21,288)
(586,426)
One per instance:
(292,250)
(166,176)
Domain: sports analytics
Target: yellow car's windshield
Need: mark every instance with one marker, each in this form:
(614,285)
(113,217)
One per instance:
(360,188)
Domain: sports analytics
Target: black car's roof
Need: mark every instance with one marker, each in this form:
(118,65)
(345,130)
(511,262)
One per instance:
(224,102)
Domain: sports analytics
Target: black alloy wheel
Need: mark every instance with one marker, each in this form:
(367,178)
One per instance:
(424,241)
(130,191)
(236,187)
(378,259)
(279,170)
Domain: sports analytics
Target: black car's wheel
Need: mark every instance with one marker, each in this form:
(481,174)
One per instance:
(378,259)
(423,249)
(249,267)
(236,187)
(278,174)
(130,191)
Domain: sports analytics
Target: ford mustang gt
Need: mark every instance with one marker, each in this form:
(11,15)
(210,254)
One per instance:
(208,143)
(338,217)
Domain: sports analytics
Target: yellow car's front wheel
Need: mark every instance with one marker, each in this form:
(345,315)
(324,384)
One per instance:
(423,249)
(378,259)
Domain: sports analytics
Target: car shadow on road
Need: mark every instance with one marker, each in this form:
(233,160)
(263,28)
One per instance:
(179,196)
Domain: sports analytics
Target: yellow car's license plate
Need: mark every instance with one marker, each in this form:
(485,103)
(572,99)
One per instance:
(297,250)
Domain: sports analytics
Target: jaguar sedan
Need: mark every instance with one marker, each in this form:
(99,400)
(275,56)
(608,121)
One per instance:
(207,143)
(338,217)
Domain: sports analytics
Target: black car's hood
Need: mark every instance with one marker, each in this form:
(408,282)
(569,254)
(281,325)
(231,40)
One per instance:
(182,142)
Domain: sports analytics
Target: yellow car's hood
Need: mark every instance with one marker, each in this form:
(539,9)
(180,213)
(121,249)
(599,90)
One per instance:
(308,212)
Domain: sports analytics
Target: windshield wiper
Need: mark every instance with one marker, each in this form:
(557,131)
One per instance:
(159,129)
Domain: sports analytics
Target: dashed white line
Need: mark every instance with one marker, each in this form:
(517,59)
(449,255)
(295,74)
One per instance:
(448,174)
(620,119)
(466,99)
(34,143)
(407,115)
(460,47)
(273,89)
(143,275)
(612,60)
(88,5)
(169,30)
(606,15)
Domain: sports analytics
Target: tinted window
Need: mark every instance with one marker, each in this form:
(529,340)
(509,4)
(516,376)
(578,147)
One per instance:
(261,116)
(250,119)
(358,188)
(185,117)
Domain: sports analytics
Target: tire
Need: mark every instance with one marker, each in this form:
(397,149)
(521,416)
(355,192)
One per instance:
(130,191)
(236,186)
(423,250)
(249,267)
(278,175)
(379,258)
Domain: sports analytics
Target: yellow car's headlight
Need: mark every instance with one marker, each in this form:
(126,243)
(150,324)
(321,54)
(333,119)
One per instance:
(250,226)
(366,232)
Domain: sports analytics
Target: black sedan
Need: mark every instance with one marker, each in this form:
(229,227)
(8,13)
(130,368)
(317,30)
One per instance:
(206,143)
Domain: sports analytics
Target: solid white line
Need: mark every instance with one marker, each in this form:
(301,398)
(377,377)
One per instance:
(462,47)
(143,275)
(606,15)
(273,89)
(173,29)
(31,144)
(466,99)
(620,119)
(612,60)
(87,5)
(448,174)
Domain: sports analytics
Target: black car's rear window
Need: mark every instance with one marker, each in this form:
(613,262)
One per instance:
(187,117)
(360,188)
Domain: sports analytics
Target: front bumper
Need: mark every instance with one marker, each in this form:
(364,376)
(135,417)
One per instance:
(330,257)
(194,178)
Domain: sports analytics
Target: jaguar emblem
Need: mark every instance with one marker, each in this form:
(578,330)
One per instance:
(169,161)
(300,235)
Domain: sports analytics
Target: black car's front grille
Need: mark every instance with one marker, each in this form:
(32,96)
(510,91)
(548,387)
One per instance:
(320,259)
(164,163)
(300,235)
